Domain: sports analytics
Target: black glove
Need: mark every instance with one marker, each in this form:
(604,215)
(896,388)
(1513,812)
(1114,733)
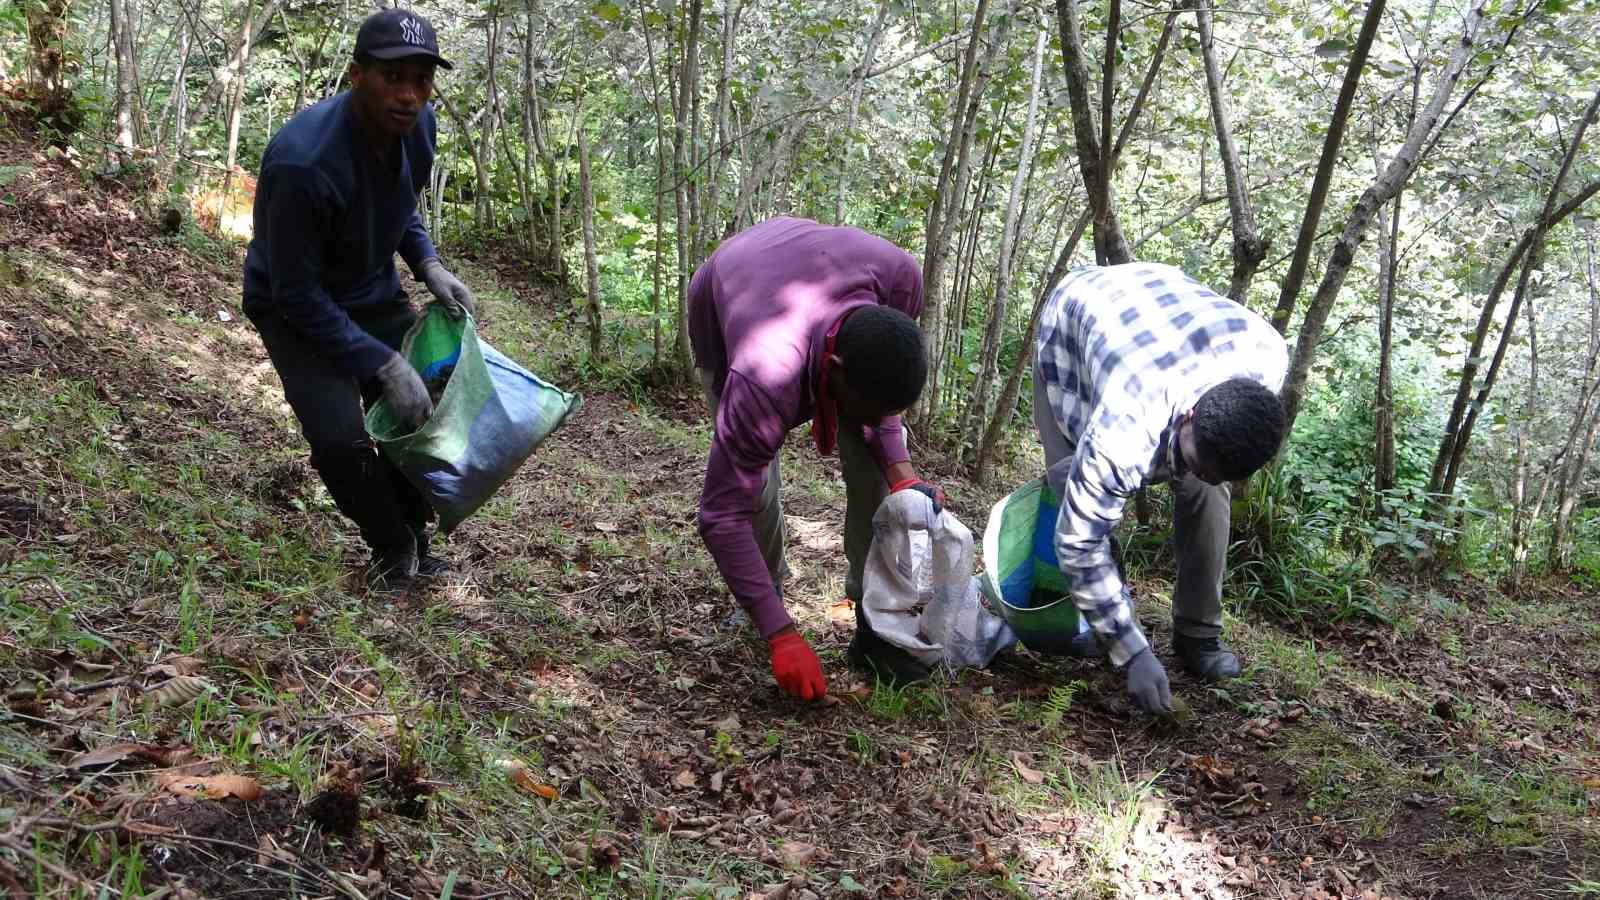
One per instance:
(1147,684)
(404,390)
(448,288)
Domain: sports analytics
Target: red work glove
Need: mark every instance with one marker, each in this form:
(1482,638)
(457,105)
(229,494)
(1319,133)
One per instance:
(795,666)
(930,490)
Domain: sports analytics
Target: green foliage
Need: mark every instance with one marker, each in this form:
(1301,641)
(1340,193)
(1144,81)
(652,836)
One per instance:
(1294,563)
(1055,706)
(1585,537)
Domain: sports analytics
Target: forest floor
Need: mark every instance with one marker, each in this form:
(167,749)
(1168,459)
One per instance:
(179,603)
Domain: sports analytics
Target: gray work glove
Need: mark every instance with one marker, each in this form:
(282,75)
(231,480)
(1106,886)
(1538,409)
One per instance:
(404,390)
(1147,684)
(455,296)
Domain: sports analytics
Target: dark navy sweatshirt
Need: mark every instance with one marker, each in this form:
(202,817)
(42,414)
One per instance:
(329,216)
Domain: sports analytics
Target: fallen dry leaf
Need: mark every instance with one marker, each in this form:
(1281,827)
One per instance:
(522,778)
(268,852)
(607,527)
(115,753)
(604,855)
(176,666)
(211,787)
(796,853)
(1030,775)
(730,725)
(179,691)
(686,779)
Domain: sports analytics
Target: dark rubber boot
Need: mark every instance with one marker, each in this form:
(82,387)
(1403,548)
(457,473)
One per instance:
(428,565)
(393,568)
(362,488)
(872,654)
(1208,658)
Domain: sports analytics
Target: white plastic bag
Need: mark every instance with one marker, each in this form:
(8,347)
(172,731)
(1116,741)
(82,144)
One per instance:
(918,590)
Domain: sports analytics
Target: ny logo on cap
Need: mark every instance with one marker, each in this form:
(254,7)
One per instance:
(411,30)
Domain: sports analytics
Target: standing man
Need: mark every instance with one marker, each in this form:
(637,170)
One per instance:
(796,322)
(336,199)
(1143,375)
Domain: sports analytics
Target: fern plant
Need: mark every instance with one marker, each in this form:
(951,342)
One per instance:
(1055,706)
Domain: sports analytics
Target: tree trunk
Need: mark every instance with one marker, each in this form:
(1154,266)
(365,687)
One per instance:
(1249,249)
(1384,477)
(538,127)
(440,177)
(1381,191)
(966,251)
(1574,464)
(178,105)
(126,97)
(236,102)
(483,208)
(692,175)
(1013,388)
(1446,454)
(346,34)
(1388,266)
(591,264)
(302,64)
(479,166)
(1519,486)
(1458,428)
(869,54)
(990,361)
(951,189)
(1458,450)
(163,123)
(690,63)
(47,22)
(1290,293)
(223,76)
(524,167)
(660,185)
(722,147)
(1094,161)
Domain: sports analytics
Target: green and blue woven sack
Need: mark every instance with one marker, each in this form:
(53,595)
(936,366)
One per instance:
(1022,578)
(490,417)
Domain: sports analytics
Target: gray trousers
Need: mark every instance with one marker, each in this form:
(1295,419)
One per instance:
(1201,516)
(865,488)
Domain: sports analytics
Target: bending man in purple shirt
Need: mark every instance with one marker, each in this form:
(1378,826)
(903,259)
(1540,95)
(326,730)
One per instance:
(796,322)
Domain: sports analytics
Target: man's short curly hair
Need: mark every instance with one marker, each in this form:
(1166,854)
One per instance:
(884,356)
(1238,427)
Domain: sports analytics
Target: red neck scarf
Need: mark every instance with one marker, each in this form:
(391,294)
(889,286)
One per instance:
(825,423)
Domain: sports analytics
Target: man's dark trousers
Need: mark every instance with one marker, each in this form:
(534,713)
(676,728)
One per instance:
(331,408)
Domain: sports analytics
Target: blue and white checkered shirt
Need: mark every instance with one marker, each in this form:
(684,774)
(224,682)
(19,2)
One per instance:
(1124,352)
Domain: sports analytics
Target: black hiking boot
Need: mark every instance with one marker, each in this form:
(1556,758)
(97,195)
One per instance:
(1208,657)
(872,654)
(428,565)
(392,569)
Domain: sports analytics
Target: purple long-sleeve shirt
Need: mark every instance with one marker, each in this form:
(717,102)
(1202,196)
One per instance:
(759,312)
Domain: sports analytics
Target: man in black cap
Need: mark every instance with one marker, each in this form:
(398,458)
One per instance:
(336,199)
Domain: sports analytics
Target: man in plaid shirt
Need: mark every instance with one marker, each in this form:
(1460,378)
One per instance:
(1143,375)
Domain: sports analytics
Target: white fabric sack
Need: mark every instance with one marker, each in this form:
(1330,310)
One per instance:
(918,590)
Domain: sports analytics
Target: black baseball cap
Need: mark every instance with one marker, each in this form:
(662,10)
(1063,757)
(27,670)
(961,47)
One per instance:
(398,34)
